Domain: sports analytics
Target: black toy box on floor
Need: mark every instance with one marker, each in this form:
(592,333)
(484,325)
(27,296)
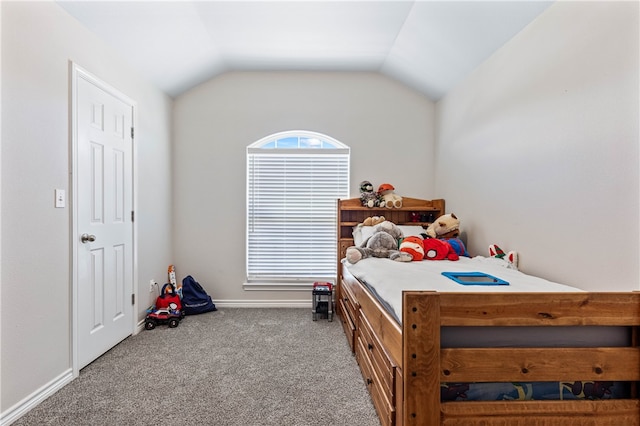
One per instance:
(322,300)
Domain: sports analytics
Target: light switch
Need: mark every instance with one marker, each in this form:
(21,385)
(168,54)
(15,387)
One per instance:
(61,199)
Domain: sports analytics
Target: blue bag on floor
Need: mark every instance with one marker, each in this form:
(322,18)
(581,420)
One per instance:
(194,299)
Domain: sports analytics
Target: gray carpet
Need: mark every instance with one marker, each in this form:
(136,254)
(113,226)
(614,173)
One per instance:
(231,367)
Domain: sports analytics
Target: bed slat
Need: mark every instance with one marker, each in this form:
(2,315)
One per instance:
(518,309)
(539,364)
(542,413)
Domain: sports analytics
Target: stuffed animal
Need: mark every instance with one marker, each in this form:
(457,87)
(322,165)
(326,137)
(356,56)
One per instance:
(457,245)
(414,246)
(435,249)
(373,220)
(368,197)
(446,226)
(389,198)
(383,243)
(510,257)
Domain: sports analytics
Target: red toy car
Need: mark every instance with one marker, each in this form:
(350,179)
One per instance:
(168,315)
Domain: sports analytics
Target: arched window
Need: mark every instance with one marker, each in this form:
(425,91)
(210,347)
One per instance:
(293,181)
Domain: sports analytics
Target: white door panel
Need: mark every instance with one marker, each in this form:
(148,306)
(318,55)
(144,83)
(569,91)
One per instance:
(104,203)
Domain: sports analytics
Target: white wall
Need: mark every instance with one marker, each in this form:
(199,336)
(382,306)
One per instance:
(388,127)
(537,150)
(38,41)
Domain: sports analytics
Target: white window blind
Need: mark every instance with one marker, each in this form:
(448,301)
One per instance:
(291,211)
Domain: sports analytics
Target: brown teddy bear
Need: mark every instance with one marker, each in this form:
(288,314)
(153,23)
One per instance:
(373,220)
(446,226)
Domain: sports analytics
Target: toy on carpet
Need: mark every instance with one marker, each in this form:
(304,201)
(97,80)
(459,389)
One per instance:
(414,246)
(167,310)
(373,220)
(368,197)
(389,198)
(383,243)
(510,257)
(169,316)
(435,249)
(168,296)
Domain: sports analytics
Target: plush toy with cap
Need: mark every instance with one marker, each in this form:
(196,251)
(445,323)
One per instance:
(383,243)
(446,226)
(435,249)
(414,246)
(390,199)
(368,197)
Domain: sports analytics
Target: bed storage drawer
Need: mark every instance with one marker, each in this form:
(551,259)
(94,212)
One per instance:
(379,397)
(377,356)
(347,324)
(349,309)
(398,397)
(349,299)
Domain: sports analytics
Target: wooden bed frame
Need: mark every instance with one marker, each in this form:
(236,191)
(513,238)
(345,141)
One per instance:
(403,366)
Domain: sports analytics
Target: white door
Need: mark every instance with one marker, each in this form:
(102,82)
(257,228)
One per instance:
(103,218)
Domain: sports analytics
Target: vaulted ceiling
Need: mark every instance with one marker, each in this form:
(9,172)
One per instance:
(427,45)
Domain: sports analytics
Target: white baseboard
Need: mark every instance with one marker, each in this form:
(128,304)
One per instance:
(24,406)
(139,327)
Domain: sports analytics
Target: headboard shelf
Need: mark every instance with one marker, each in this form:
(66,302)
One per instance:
(408,204)
(351,212)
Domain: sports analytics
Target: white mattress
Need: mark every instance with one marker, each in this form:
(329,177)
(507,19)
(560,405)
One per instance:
(389,278)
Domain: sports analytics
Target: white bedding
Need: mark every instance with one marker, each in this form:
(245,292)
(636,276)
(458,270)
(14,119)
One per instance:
(389,278)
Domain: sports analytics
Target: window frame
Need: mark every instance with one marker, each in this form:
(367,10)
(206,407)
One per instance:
(266,147)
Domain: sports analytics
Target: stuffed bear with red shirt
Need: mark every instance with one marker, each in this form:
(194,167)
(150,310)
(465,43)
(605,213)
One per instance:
(429,249)
(435,249)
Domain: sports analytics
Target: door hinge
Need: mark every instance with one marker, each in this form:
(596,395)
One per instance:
(133,299)
(132,215)
(132,133)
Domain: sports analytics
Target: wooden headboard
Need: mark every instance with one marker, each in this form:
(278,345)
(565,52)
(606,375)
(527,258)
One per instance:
(351,212)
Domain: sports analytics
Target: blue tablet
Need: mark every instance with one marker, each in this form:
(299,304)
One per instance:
(474,278)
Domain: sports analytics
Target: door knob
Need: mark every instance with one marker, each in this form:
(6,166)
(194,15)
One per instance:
(87,238)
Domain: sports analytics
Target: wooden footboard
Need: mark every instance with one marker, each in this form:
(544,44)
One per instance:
(419,364)
(425,364)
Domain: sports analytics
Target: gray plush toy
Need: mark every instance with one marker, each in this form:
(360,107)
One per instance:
(368,197)
(383,243)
